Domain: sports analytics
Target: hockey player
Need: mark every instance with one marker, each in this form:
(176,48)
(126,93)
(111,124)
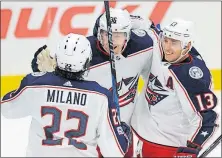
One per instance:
(70,116)
(133,53)
(174,114)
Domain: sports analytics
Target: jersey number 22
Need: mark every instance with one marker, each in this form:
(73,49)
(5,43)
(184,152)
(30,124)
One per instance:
(55,127)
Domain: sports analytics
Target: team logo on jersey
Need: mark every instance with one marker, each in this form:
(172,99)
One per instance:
(129,86)
(195,72)
(120,130)
(154,91)
(139,32)
(68,84)
(38,74)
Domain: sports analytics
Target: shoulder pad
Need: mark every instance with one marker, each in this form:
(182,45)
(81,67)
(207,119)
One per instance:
(193,75)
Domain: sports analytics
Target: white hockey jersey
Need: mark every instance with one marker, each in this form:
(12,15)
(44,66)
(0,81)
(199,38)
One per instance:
(175,105)
(69,118)
(133,62)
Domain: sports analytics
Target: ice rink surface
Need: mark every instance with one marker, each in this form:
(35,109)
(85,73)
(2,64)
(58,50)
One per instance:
(14,135)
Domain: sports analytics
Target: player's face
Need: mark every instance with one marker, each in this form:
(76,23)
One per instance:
(119,40)
(172,49)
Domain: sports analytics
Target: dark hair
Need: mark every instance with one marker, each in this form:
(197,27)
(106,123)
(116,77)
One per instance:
(69,75)
(73,75)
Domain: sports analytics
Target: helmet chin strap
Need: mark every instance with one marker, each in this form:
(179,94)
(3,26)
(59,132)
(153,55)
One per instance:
(181,53)
(180,57)
(124,46)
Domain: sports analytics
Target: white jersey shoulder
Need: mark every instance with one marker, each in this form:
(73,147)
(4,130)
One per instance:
(67,119)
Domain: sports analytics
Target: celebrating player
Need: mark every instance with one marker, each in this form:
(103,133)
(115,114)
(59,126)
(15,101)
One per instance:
(174,114)
(70,116)
(133,53)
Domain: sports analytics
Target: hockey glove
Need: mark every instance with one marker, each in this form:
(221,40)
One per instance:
(158,26)
(186,152)
(128,132)
(192,150)
(42,60)
(139,23)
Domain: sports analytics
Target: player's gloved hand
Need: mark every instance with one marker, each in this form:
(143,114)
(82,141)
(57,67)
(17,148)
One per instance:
(42,60)
(186,152)
(158,26)
(128,132)
(192,150)
(139,23)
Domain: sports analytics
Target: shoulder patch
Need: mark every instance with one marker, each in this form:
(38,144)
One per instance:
(139,32)
(38,74)
(195,72)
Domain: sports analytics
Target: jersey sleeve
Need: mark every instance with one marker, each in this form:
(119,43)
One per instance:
(14,103)
(153,32)
(146,69)
(111,141)
(197,102)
